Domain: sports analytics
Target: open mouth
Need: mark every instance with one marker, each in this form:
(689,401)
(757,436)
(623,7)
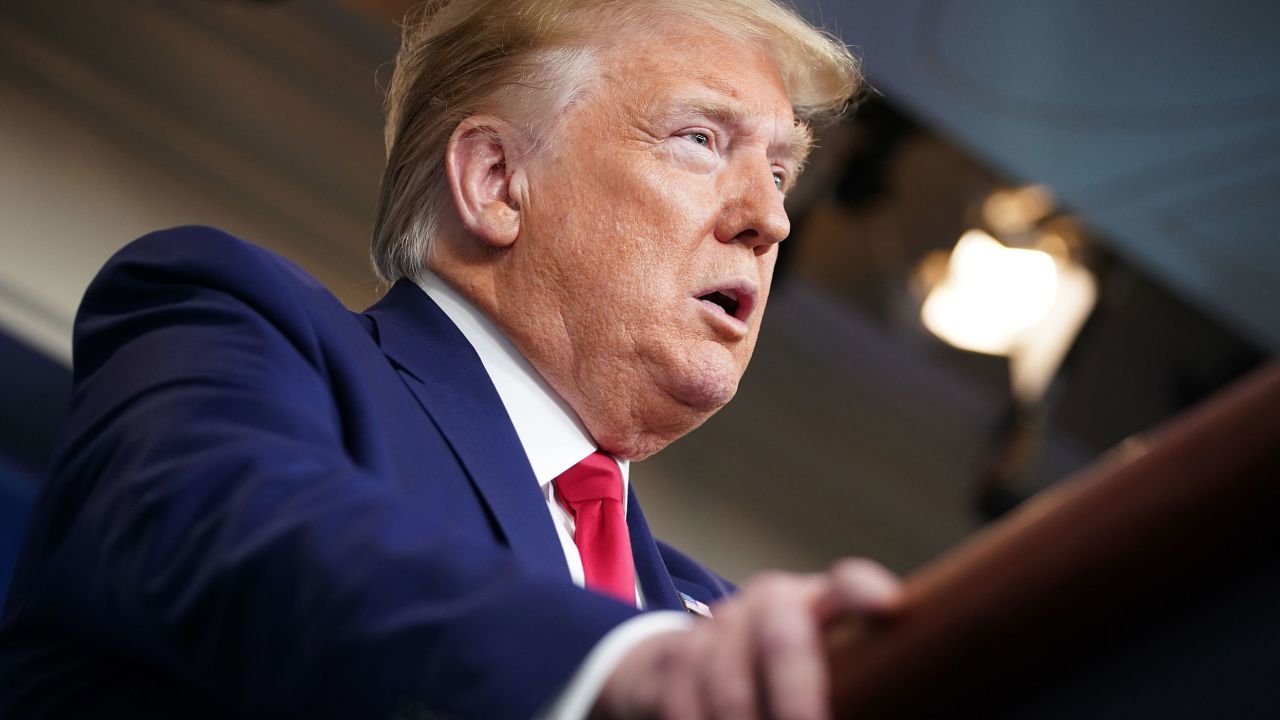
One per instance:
(727,300)
(736,299)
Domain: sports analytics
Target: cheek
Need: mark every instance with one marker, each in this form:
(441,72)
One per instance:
(651,190)
(646,232)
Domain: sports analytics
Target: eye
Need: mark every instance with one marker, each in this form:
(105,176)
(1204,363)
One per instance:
(778,180)
(699,138)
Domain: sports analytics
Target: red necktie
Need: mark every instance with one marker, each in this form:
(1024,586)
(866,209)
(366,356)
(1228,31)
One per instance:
(592,493)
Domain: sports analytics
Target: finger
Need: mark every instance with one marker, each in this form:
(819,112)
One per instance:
(789,652)
(681,697)
(729,685)
(857,585)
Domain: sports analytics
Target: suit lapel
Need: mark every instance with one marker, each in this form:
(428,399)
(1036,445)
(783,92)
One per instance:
(446,376)
(655,580)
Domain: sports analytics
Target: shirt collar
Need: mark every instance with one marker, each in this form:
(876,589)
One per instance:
(553,437)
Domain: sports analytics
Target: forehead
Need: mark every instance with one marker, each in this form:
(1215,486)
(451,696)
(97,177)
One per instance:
(706,74)
(689,64)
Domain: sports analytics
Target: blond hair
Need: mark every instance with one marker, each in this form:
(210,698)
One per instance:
(527,61)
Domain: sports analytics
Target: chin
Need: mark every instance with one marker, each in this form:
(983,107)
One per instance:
(705,392)
(707,380)
(665,422)
(668,416)
(686,393)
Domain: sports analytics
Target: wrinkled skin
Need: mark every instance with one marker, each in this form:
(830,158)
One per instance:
(660,185)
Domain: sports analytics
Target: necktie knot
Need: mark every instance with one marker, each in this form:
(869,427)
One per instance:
(596,477)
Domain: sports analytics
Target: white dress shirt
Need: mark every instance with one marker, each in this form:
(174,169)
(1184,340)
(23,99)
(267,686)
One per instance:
(554,440)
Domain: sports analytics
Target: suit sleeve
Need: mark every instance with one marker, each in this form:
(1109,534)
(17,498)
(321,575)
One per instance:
(207,521)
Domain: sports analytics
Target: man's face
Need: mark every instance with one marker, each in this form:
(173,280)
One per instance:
(648,237)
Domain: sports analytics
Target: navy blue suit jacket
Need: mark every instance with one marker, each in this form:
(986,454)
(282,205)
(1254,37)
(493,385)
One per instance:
(265,505)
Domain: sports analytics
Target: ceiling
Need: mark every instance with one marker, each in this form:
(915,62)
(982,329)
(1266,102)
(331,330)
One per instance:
(1159,123)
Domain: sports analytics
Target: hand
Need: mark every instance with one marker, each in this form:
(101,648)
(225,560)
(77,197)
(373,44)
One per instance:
(760,657)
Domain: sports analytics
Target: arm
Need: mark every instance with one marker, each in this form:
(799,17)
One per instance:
(205,518)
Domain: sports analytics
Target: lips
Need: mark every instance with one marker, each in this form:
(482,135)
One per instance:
(734,299)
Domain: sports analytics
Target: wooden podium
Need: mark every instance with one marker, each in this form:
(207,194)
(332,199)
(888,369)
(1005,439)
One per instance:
(1151,577)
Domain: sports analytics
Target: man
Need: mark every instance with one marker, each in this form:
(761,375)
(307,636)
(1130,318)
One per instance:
(263,505)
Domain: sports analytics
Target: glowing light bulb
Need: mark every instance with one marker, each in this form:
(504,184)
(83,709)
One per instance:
(991,294)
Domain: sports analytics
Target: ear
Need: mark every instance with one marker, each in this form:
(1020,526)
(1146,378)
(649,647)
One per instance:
(478,162)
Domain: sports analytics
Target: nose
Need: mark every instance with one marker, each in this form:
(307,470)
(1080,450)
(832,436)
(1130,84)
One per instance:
(753,214)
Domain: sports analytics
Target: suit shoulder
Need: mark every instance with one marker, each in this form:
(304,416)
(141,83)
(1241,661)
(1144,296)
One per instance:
(202,253)
(200,276)
(162,266)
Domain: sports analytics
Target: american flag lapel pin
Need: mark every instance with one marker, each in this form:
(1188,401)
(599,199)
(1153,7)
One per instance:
(694,605)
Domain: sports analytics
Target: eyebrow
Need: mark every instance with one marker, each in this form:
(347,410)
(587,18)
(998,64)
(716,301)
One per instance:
(729,112)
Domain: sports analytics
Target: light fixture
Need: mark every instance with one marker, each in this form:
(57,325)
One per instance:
(1013,211)
(991,295)
(1024,296)
(1027,304)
